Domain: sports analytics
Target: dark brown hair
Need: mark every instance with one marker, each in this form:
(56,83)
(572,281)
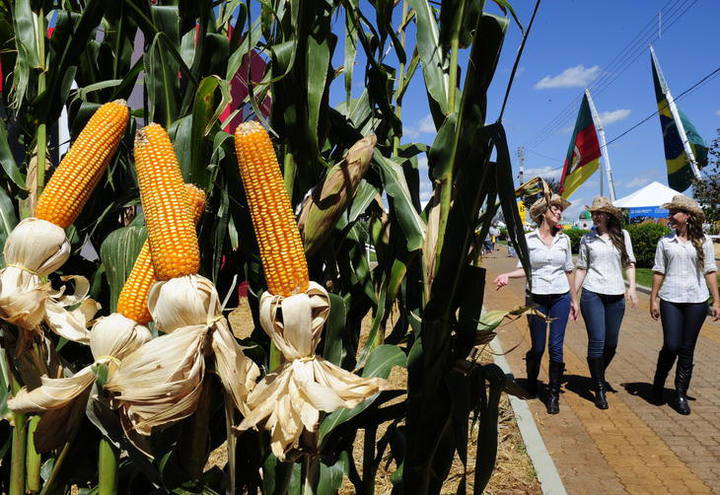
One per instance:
(618,238)
(697,237)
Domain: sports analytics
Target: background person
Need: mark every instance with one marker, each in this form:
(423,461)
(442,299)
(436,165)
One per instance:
(603,255)
(551,270)
(684,270)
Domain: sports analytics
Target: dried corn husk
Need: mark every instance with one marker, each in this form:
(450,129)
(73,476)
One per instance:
(111,339)
(289,401)
(33,250)
(160,382)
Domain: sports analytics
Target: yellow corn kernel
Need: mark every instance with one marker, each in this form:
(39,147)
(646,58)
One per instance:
(281,249)
(82,167)
(171,234)
(133,299)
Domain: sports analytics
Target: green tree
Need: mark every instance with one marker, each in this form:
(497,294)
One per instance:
(707,189)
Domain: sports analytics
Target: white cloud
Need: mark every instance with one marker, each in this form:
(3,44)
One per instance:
(572,77)
(426,189)
(423,126)
(422,164)
(608,118)
(637,182)
(544,172)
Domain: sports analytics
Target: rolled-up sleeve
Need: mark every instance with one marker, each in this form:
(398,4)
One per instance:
(569,266)
(709,251)
(628,247)
(582,260)
(659,266)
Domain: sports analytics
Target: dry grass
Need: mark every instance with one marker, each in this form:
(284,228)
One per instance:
(514,472)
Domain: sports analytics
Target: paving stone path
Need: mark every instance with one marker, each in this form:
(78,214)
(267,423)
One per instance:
(634,446)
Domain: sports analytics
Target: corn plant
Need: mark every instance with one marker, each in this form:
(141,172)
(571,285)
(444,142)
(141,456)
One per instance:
(198,69)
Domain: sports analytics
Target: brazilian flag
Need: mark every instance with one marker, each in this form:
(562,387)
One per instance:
(583,155)
(680,174)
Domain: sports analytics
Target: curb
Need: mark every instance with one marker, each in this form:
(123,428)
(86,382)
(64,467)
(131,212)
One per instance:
(547,473)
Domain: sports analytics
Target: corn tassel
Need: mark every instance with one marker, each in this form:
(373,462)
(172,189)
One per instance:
(281,249)
(133,299)
(171,234)
(82,167)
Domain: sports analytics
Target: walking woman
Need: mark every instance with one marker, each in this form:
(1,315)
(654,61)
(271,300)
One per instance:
(551,282)
(604,254)
(684,270)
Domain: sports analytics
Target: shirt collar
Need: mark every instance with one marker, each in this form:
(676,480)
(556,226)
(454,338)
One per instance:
(536,233)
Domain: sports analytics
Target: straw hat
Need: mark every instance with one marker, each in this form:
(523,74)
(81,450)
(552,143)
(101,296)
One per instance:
(541,205)
(683,203)
(603,204)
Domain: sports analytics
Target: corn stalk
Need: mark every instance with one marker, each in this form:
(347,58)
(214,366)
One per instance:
(206,66)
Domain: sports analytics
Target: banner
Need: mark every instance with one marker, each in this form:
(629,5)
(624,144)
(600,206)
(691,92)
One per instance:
(583,156)
(679,170)
(521,210)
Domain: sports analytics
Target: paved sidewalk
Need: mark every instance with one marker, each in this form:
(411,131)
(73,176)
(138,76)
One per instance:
(633,447)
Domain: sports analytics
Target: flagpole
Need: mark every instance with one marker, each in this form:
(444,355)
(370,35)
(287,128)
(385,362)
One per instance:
(678,121)
(603,149)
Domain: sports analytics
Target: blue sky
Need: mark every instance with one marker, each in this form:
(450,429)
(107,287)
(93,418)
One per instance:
(578,43)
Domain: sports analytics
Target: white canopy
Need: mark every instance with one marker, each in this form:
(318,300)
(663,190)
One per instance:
(654,194)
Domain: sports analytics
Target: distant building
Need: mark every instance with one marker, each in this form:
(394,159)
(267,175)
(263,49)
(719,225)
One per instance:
(584,221)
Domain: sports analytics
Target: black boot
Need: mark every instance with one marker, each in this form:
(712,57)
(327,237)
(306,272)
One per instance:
(597,374)
(608,355)
(683,373)
(553,398)
(665,362)
(532,366)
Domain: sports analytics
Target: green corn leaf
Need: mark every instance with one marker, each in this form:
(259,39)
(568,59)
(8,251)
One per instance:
(379,364)
(118,253)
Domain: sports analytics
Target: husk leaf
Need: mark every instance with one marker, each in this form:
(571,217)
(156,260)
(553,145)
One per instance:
(288,401)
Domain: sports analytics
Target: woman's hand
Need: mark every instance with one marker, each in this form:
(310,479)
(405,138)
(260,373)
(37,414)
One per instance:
(501,280)
(631,297)
(654,309)
(574,310)
(715,310)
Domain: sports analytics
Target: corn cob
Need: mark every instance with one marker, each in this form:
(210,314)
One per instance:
(281,249)
(132,302)
(80,170)
(171,234)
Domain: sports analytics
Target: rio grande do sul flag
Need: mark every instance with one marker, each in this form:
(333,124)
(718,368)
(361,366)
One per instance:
(583,156)
(679,170)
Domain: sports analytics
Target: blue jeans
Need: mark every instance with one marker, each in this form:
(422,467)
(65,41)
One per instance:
(681,324)
(557,307)
(603,315)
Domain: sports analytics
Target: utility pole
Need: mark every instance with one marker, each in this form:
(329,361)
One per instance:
(521,159)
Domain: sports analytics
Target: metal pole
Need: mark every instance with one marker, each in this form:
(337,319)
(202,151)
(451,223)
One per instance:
(603,149)
(521,159)
(678,121)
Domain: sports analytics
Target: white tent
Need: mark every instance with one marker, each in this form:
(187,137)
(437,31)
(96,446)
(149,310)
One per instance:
(654,194)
